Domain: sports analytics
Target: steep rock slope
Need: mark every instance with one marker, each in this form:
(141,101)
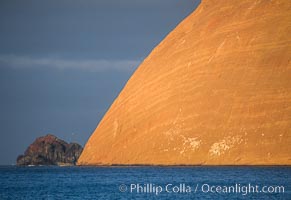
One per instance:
(216,90)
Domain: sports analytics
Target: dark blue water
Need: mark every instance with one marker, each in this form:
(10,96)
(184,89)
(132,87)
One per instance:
(154,182)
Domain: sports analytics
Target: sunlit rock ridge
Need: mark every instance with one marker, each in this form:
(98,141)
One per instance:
(215,91)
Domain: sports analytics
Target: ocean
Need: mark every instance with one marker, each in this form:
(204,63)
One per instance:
(145,182)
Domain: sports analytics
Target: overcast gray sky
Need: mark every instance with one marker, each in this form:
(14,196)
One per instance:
(63,62)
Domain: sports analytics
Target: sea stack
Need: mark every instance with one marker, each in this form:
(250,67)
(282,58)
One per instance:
(50,150)
(215,91)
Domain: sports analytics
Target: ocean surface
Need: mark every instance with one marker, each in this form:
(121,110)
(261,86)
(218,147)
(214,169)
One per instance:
(145,182)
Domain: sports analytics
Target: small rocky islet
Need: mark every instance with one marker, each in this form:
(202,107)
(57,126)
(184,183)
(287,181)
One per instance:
(50,150)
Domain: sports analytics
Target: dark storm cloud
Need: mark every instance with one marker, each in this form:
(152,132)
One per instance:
(100,29)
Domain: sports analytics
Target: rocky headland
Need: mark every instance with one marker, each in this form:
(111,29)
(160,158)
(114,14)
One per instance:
(50,150)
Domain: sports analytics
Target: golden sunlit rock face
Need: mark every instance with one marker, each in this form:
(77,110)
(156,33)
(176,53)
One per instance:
(216,90)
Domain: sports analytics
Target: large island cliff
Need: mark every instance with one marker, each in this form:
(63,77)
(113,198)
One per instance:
(215,91)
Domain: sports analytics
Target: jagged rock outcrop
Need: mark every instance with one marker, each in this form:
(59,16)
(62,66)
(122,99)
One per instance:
(50,150)
(216,90)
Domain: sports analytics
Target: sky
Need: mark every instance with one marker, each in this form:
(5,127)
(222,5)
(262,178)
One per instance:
(63,62)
